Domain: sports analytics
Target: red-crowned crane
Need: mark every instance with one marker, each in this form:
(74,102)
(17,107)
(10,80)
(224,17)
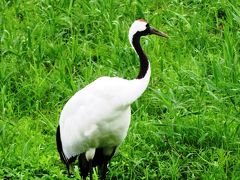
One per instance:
(95,121)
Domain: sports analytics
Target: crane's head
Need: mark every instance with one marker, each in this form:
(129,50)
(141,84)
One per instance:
(141,28)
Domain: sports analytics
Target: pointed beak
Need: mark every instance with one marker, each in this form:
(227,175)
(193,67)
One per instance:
(158,33)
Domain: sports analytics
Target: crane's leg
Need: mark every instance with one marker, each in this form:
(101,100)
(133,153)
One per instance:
(90,169)
(68,170)
(69,165)
(83,165)
(106,157)
(103,171)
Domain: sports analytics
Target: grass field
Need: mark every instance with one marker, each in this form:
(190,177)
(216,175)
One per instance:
(185,126)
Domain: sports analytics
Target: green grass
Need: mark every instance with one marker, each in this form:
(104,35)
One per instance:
(185,126)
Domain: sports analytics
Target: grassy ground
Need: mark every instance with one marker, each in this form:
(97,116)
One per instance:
(185,126)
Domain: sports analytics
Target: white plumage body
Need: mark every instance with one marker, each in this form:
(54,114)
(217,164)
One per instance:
(99,114)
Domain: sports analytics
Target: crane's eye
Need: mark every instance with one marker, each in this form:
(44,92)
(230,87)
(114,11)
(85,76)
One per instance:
(147,25)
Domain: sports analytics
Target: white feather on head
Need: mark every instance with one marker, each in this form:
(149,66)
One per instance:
(137,26)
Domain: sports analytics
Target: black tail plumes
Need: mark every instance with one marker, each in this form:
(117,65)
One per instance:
(64,159)
(59,145)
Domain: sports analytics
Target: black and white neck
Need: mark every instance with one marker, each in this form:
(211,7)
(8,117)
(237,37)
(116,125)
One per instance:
(138,29)
(137,86)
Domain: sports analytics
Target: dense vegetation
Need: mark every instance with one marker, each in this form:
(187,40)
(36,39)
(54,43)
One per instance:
(185,126)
